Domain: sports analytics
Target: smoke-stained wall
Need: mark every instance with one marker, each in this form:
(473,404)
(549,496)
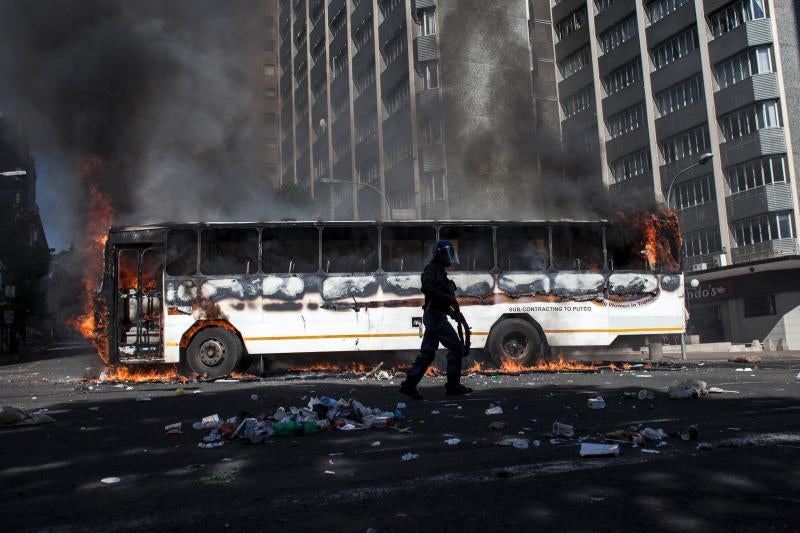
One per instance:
(487,98)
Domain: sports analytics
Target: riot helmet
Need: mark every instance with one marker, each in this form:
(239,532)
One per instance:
(445,253)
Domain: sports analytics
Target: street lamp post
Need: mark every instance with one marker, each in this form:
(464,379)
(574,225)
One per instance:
(377,190)
(704,159)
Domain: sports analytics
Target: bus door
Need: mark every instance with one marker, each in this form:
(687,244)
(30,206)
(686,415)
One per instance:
(140,275)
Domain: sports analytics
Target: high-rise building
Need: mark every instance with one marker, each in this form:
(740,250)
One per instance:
(646,87)
(390,108)
(262,38)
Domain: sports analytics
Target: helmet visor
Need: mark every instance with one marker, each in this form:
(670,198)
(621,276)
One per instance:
(450,254)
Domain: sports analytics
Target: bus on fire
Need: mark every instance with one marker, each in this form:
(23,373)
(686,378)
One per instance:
(212,295)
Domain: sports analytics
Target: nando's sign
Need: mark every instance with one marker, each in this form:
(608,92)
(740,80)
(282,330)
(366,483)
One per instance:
(710,291)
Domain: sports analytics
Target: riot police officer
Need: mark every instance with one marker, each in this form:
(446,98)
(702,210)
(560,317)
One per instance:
(440,302)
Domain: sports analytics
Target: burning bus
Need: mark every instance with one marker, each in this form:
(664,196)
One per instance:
(213,295)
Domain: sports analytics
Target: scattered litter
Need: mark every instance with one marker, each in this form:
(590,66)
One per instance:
(691,388)
(596,403)
(110,480)
(335,454)
(649,450)
(409,456)
(179,391)
(143,398)
(536,443)
(434,412)
(376,444)
(211,421)
(495,410)
(748,369)
(94,408)
(174,431)
(689,433)
(644,375)
(717,390)
(330,472)
(176,425)
(497,425)
(563,430)
(254,397)
(11,416)
(704,446)
(226,380)
(661,444)
(520,444)
(749,359)
(453,441)
(590,449)
(129,387)
(645,394)
(653,434)
(401,405)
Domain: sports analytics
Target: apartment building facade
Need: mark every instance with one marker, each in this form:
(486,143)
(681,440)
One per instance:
(648,86)
(382,100)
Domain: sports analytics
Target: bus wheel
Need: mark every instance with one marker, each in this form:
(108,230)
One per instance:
(515,341)
(215,351)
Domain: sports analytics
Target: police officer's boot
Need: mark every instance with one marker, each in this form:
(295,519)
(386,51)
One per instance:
(457,389)
(410,389)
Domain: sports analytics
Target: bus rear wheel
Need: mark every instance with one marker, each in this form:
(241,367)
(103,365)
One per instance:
(515,341)
(214,351)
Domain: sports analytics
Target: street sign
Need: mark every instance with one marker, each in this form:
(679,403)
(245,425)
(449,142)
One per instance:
(711,291)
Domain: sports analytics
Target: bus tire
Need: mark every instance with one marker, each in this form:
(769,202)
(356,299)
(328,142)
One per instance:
(214,351)
(515,340)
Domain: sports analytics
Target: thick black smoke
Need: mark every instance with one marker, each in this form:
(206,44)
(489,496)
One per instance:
(158,89)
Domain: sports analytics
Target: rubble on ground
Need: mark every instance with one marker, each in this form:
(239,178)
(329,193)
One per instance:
(12,416)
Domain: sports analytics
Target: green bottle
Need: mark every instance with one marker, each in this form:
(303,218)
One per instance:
(293,429)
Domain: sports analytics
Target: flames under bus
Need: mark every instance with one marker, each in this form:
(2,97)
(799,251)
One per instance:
(211,295)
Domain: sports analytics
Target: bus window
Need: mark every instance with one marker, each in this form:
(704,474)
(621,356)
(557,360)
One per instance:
(353,249)
(289,250)
(182,252)
(522,248)
(577,248)
(474,246)
(128,270)
(229,251)
(406,249)
(623,251)
(151,271)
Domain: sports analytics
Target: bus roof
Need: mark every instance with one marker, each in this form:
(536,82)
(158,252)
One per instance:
(289,223)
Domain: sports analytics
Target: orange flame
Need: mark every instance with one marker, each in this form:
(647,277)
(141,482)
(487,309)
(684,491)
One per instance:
(336,368)
(659,236)
(143,374)
(100,217)
(558,365)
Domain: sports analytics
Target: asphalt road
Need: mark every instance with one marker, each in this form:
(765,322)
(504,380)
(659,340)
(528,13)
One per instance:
(50,474)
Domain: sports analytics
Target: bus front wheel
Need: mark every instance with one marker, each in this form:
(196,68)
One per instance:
(214,351)
(515,341)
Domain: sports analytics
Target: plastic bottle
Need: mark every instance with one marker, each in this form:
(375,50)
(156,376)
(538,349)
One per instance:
(294,429)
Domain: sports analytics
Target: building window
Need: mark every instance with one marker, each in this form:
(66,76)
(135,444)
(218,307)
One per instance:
(270,93)
(271,119)
(430,75)
(764,228)
(626,75)
(626,121)
(761,305)
(741,66)
(631,165)
(658,9)
(269,70)
(339,63)
(602,5)
(575,62)
(680,95)
(735,15)
(675,48)
(394,48)
(589,140)
(434,186)
(365,79)
(579,101)
(571,23)
(429,22)
(397,98)
(750,119)
(685,144)
(618,34)
(694,192)
(703,242)
(756,173)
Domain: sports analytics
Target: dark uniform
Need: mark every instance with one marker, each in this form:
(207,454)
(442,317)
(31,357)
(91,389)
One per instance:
(440,302)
